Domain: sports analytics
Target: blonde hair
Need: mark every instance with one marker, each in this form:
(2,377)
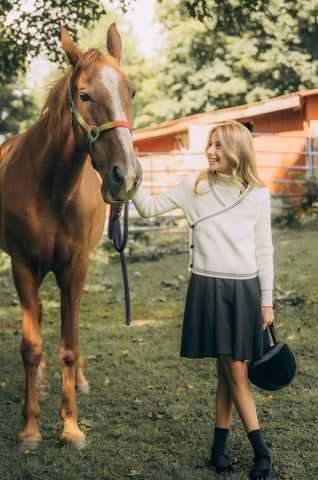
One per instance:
(237,144)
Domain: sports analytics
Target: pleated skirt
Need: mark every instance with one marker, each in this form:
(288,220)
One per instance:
(223,317)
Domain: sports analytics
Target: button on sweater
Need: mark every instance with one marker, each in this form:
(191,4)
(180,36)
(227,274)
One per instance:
(230,234)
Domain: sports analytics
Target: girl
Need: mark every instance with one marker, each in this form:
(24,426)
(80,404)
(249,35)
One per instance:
(229,298)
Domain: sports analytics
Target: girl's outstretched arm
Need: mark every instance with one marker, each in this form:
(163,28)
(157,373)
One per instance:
(149,205)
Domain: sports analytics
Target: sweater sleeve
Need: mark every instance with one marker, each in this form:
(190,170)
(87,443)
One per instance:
(149,205)
(264,250)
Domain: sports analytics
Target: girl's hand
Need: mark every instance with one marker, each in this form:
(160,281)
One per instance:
(268,316)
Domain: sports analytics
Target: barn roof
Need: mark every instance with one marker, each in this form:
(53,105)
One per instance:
(241,112)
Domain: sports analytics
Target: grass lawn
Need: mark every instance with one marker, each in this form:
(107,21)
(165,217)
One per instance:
(150,414)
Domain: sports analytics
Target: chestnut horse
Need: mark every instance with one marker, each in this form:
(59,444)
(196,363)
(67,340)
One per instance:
(52,210)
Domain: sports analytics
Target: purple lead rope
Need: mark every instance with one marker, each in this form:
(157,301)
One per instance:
(120,242)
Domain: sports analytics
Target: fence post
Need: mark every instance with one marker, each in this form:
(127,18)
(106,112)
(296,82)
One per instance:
(309,165)
(314,143)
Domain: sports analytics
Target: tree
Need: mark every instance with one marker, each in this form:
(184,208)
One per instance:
(206,67)
(25,31)
(226,14)
(219,53)
(18,110)
(28,28)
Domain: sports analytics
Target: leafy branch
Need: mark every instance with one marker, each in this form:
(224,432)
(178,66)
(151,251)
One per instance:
(26,32)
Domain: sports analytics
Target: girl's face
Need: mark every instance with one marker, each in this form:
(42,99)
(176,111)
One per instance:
(218,160)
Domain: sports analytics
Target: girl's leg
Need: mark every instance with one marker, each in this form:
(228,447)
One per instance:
(236,372)
(223,407)
(223,400)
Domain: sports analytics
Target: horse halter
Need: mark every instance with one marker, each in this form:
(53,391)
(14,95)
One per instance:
(93,131)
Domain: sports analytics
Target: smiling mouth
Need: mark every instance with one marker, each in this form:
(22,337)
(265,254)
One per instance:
(213,161)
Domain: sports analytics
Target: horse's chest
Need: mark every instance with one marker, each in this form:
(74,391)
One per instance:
(44,233)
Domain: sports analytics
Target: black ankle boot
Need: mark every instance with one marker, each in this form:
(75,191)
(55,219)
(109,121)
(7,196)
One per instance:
(220,462)
(262,468)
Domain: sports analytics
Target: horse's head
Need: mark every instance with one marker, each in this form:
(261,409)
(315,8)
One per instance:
(101,100)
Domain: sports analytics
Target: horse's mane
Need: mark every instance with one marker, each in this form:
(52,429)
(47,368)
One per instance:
(57,101)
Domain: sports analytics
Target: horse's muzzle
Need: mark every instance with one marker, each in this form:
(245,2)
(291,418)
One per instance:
(120,184)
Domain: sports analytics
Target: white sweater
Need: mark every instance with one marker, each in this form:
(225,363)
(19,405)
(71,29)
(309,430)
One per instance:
(230,233)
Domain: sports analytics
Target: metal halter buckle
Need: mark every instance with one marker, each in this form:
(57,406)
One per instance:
(93,133)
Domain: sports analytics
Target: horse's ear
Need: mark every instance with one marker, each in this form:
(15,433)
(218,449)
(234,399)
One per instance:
(72,52)
(114,42)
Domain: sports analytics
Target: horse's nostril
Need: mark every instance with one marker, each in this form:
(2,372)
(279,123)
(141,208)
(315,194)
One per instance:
(117,176)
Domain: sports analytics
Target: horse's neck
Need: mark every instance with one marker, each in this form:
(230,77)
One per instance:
(63,163)
(69,169)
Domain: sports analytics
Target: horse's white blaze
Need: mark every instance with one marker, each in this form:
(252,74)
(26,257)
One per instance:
(110,80)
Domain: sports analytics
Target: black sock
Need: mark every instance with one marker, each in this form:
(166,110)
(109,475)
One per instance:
(220,437)
(256,439)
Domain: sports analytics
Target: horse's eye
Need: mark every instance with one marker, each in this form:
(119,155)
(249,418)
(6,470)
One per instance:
(84,97)
(133,93)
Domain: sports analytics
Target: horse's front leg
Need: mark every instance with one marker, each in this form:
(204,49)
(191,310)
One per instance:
(27,285)
(71,282)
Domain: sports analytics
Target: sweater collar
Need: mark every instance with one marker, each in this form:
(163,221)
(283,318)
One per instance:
(224,179)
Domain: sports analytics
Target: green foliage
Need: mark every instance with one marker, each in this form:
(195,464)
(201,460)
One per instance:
(25,32)
(287,217)
(218,53)
(299,212)
(310,196)
(232,53)
(18,110)
(227,14)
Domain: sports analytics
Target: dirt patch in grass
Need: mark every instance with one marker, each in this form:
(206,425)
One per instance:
(149,413)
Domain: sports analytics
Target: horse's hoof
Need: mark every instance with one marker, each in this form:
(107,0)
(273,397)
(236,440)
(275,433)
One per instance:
(29,443)
(78,443)
(82,388)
